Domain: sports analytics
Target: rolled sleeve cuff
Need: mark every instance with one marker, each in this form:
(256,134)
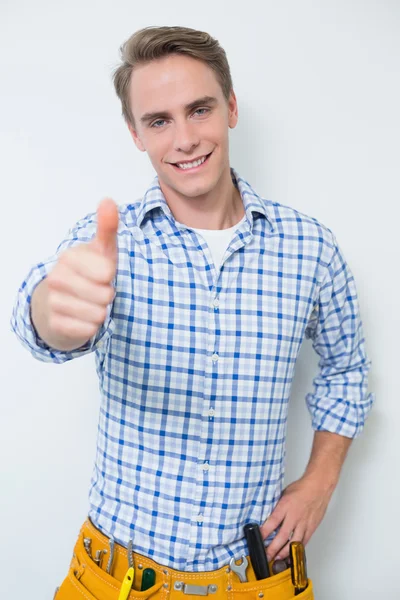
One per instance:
(338,415)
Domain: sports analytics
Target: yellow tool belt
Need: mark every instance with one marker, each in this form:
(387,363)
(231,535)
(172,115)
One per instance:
(93,578)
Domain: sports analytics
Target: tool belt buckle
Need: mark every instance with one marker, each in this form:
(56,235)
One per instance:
(195,590)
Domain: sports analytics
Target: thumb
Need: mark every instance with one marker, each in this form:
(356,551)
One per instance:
(107,227)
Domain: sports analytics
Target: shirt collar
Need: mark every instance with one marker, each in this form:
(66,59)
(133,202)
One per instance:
(253,203)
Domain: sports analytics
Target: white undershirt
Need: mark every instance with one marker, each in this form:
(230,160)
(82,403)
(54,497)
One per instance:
(218,240)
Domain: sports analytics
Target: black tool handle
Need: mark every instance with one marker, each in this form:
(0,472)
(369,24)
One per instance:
(257,552)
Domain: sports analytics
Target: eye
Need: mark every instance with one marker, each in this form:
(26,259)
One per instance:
(155,123)
(206,109)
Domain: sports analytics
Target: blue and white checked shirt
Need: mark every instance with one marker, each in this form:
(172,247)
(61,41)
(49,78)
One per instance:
(195,369)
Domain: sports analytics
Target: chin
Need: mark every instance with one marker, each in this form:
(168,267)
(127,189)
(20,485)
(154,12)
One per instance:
(194,192)
(190,189)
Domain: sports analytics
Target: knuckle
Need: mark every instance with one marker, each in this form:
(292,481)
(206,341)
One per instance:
(68,257)
(283,502)
(63,257)
(53,279)
(286,531)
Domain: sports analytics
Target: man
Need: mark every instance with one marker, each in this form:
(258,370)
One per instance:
(196,300)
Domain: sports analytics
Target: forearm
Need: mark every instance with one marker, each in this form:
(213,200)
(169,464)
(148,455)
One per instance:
(328,454)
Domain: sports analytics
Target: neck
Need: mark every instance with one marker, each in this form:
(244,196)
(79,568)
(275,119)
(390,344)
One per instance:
(221,208)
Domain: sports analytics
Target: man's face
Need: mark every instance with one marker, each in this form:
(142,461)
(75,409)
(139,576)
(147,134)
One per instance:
(180,115)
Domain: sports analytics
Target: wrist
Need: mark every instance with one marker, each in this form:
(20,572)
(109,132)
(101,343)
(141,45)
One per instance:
(321,479)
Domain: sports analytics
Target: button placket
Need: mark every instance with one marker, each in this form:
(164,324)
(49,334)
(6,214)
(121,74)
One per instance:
(202,470)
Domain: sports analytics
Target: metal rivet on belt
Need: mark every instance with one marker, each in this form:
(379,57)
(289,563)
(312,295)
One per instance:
(165,571)
(140,566)
(212,588)
(229,588)
(165,585)
(227,570)
(261,595)
(178,585)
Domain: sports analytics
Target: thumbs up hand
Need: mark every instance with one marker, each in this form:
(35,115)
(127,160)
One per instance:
(79,288)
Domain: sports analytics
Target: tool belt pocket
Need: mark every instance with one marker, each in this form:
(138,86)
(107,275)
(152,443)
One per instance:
(92,579)
(77,587)
(276,587)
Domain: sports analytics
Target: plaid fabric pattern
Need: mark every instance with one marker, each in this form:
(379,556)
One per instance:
(195,369)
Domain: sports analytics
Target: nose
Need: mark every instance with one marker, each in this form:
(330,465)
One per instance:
(186,137)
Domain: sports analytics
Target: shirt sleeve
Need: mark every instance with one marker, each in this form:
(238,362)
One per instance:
(340,402)
(21,322)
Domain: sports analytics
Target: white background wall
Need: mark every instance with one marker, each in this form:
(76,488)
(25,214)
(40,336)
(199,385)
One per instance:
(319,96)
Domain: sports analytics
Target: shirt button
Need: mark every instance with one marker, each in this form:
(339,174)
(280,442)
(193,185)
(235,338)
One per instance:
(206,466)
(200,518)
(211,412)
(216,303)
(215,357)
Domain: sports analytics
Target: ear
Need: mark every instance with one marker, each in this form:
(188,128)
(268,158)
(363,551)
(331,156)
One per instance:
(233,113)
(136,138)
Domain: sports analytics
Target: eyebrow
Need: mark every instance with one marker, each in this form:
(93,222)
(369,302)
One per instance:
(149,116)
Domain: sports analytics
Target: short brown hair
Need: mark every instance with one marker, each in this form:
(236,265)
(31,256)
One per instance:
(152,43)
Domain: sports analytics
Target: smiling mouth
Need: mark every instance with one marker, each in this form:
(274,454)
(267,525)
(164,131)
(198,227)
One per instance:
(192,165)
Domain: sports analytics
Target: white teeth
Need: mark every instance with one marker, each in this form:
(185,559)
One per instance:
(190,165)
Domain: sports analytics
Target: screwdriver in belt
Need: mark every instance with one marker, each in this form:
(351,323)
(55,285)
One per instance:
(298,567)
(126,584)
(257,553)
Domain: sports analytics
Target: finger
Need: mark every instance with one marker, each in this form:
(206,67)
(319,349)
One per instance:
(107,227)
(71,306)
(298,536)
(273,521)
(71,327)
(73,284)
(280,539)
(84,260)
